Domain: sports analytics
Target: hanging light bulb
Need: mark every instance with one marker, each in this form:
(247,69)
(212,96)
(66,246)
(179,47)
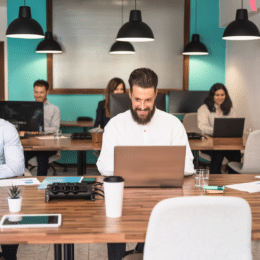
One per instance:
(135,30)
(48,45)
(195,47)
(24,26)
(241,29)
(120,47)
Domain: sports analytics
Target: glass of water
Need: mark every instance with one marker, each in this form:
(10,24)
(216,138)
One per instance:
(201,177)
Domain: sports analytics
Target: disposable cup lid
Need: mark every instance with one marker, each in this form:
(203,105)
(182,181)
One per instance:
(114,179)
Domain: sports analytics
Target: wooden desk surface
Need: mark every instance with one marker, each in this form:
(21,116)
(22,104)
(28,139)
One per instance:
(218,143)
(36,144)
(77,124)
(86,221)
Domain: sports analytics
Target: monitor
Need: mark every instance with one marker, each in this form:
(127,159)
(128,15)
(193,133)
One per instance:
(25,115)
(186,101)
(119,103)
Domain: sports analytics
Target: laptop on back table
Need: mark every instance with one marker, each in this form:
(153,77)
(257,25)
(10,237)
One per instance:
(150,166)
(228,127)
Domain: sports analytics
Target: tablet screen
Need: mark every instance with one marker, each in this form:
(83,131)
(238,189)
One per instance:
(20,220)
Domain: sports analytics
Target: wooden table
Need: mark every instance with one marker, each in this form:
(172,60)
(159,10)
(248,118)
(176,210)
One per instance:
(83,124)
(86,221)
(66,144)
(210,143)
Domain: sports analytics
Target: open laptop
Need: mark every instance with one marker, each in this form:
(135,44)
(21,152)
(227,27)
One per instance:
(150,166)
(228,127)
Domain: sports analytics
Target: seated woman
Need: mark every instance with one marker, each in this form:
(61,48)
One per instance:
(217,104)
(115,85)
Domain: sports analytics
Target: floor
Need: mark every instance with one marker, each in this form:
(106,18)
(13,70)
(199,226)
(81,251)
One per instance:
(85,251)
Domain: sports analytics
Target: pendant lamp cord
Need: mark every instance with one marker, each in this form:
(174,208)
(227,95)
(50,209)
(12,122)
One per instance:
(24,3)
(196,17)
(135,4)
(242,3)
(122,11)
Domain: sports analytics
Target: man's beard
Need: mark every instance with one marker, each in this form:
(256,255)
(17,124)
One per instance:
(144,120)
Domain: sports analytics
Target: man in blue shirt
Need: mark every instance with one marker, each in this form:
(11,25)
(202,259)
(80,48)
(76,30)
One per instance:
(51,125)
(11,165)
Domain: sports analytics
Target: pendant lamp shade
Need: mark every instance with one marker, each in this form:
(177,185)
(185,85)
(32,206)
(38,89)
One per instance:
(195,47)
(135,30)
(122,48)
(24,26)
(48,45)
(241,28)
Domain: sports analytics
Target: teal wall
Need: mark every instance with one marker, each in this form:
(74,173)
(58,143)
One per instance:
(204,71)
(25,66)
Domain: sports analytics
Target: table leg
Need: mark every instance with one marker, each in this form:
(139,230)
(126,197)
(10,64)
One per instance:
(81,163)
(197,160)
(68,251)
(57,252)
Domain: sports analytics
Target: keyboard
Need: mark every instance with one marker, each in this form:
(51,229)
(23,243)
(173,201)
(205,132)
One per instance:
(81,136)
(28,135)
(193,135)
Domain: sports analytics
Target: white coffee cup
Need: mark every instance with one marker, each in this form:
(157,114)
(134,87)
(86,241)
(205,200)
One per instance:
(114,190)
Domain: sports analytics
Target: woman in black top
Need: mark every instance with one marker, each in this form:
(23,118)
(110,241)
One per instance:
(115,85)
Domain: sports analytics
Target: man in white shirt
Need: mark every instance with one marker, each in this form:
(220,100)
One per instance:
(143,124)
(11,165)
(51,125)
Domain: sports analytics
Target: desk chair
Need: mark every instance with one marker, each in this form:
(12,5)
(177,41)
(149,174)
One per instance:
(27,173)
(53,158)
(190,122)
(251,155)
(201,227)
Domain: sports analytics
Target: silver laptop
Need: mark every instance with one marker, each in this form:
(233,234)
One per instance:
(150,166)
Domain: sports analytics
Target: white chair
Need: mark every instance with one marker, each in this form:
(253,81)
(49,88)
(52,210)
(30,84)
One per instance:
(27,173)
(251,162)
(190,122)
(202,227)
(53,158)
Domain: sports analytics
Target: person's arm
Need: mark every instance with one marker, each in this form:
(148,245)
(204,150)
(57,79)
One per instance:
(203,120)
(13,154)
(99,114)
(55,122)
(179,137)
(105,163)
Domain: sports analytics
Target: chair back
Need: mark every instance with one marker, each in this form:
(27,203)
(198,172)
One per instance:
(201,227)
(190,123)
(251,156)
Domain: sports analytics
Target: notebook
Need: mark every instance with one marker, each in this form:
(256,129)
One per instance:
(150,166)
(228,127)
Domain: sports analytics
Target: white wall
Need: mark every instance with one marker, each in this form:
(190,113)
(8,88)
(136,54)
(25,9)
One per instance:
(227,10)
(87,32)
(243,77)
(3,27)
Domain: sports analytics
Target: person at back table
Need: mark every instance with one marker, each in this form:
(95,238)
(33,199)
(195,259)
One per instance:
(143,124)
(51,124)
(217,104)
(11,165)
(116,86)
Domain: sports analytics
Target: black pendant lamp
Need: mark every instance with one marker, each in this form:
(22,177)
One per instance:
(24,26)
(241,29)
(48,45)
(195,47)
(122,47)
(135,30)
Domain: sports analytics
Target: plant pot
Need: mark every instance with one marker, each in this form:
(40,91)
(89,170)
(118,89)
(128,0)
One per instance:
(15,204)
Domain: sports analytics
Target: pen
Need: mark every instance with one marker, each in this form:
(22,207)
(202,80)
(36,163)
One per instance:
(213,187)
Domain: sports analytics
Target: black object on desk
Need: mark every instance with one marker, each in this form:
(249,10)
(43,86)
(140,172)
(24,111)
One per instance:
(193,135)
(84,118)
(81,136)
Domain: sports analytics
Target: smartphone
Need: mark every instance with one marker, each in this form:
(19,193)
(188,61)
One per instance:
(31,221)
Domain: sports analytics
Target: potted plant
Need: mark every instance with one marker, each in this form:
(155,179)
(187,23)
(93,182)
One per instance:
(14,200)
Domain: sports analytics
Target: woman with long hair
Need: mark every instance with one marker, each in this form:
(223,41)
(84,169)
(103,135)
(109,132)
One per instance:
(217,104)
(115,85)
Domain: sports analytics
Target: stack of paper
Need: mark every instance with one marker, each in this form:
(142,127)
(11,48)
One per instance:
(18,182)
(250,187)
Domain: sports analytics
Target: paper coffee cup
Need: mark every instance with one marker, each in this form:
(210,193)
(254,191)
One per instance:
(114,190)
